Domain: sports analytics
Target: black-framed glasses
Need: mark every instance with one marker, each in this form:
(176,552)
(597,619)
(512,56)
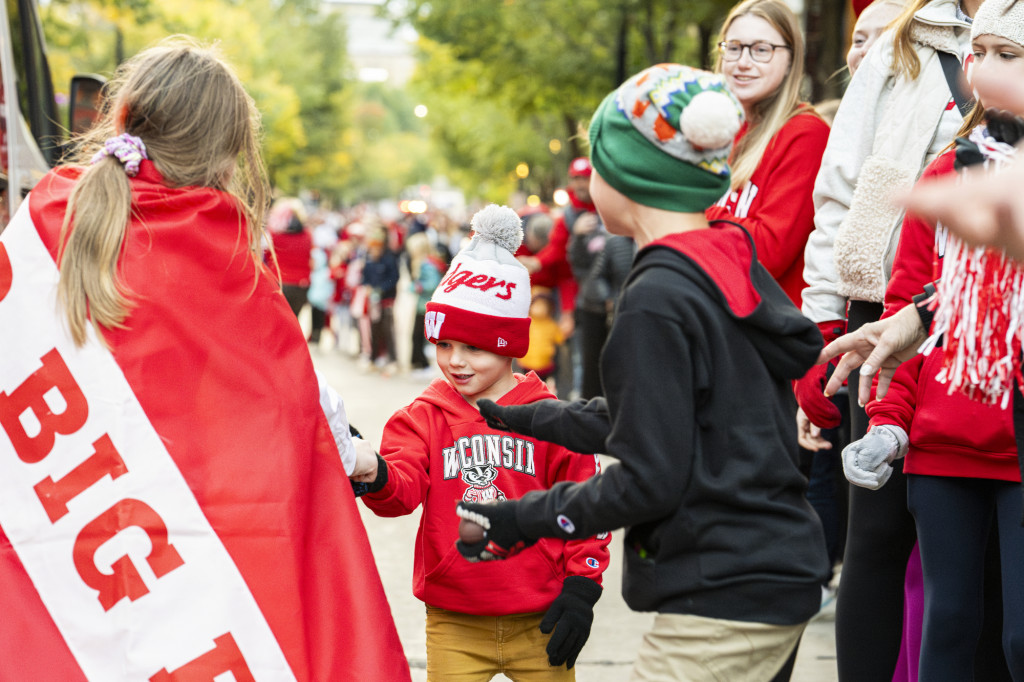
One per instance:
(761,51)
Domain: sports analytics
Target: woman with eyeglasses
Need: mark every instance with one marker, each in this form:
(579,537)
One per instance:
(777,152)
(901,109)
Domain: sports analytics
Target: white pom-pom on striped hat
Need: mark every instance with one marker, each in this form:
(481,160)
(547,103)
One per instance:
(484,298)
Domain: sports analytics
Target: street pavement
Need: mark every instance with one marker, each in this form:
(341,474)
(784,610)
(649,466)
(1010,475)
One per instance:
(370,399)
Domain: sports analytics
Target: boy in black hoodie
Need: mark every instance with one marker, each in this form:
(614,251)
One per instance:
(697,369)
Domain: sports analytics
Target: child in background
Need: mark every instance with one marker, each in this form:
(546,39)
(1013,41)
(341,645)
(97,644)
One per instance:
(545,338)
(483,620)
(425,268)
(380,284)
(321,284)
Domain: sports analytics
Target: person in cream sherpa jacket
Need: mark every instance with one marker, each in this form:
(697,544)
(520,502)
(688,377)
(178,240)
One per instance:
(887,129)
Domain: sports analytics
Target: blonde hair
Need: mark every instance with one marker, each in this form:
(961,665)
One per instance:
(771,113)
(419,248)
(905,62)
(200,128)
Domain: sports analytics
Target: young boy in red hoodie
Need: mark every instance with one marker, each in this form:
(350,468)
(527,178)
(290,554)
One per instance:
(439,451)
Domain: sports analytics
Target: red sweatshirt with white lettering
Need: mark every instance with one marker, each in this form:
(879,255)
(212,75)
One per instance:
(440,450)
(775,205)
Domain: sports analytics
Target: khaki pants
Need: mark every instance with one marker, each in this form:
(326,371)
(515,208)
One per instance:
(684,647)
(465,648)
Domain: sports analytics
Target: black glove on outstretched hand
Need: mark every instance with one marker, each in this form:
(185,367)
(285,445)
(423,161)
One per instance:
(502,537)
(517,418)
(570,615)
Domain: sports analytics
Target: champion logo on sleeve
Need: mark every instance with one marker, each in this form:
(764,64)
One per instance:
(566,524)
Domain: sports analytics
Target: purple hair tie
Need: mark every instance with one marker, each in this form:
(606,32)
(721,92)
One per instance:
(127,149)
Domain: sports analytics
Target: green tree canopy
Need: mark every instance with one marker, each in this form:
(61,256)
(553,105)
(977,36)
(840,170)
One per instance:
(291,56)
(507,77)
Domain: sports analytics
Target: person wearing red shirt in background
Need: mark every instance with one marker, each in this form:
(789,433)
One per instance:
(550,267)
(552,262)
(293,248)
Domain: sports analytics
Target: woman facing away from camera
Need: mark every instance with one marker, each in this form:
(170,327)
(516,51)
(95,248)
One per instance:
(191,415)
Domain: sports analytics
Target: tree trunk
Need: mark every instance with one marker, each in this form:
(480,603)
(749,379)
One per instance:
(828,31)
(622,52)
(705,31)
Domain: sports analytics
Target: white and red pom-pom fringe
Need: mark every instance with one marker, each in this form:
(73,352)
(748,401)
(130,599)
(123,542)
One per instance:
(980,308)
(980,312)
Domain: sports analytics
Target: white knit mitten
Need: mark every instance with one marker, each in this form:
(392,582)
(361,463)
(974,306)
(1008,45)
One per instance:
(868,462)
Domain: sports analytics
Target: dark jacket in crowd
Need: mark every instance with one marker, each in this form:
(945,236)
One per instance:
(382,274)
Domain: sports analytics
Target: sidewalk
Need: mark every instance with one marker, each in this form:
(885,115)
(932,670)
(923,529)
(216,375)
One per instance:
(608,656)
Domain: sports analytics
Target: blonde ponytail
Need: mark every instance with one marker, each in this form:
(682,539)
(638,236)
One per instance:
(89,287)
(200,128)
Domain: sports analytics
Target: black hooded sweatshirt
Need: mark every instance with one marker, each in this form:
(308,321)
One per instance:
(700,414)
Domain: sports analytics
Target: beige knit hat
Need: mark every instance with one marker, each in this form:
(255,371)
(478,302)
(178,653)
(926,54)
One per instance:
(1003,18)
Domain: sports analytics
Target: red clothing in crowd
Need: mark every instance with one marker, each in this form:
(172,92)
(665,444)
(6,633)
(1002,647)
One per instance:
(293,250)
(555,269)
(775,205)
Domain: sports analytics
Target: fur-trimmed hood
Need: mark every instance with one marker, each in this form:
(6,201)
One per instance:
(933,27)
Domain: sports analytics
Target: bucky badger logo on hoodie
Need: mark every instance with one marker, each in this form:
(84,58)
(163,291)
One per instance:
(481,481)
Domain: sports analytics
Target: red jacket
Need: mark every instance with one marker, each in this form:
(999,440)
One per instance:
(555,270)
(950,435)
(293,251)
(776,205)
(439,451)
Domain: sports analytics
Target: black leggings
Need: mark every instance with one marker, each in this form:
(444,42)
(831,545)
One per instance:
(879,540)
(953,517)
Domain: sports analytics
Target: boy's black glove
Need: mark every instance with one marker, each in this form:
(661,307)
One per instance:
(517,418)
(501,535)
(570,615)
(360,488)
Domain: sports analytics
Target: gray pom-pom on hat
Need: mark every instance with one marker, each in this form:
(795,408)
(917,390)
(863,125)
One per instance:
(499,224)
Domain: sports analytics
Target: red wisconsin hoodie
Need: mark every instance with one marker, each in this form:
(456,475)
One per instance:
(440,450)
(950,435)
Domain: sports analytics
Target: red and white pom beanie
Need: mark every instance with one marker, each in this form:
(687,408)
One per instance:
(484,298)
